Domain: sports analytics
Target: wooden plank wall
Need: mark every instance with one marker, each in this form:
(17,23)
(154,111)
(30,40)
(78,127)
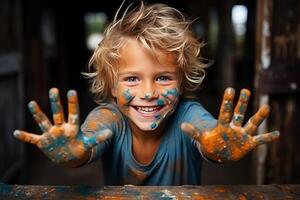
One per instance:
(277,82)
(12,152)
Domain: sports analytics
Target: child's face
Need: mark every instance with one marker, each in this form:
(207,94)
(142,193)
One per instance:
(147,87)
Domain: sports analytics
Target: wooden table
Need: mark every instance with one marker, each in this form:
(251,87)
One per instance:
(240,192)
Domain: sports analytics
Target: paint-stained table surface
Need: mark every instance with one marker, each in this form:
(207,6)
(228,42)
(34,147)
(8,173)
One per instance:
(241,192)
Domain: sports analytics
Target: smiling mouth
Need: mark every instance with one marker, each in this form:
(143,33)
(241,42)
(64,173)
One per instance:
(148,109)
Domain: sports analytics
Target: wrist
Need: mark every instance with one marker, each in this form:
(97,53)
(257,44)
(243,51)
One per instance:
(79,162)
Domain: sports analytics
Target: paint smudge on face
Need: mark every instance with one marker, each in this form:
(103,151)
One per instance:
(170,102)
(171,93)
(127,95)
(125,98)
(153,125)
(160,102)
(147,96)
(157,116)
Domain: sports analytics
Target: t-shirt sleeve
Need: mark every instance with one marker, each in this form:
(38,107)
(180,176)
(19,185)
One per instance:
(105,116)
(201,119)
(198,116)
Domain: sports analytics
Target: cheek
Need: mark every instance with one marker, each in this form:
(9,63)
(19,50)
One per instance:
(171,96)
(124,96)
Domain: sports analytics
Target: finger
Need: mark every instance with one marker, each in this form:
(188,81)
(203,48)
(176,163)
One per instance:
(190,130)
(267,137)
(226,106)
(240,108)
(56,107)
(27,137)
(100,137)
(257,119)
(42,120)
(73,108)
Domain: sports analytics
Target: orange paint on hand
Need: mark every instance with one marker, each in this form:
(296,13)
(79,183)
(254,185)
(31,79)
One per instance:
(57,132)
(226,106)
(231,141)
(77,148)
(262,113)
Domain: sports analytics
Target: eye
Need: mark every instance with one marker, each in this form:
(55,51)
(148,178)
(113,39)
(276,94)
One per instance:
(163,78)
(131,79)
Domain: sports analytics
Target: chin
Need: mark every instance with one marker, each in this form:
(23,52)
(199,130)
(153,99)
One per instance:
(147,126)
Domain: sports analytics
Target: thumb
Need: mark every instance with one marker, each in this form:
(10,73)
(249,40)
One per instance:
(27,137)
(190,130)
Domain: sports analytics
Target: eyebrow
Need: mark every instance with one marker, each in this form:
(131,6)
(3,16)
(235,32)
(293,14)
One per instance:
(136,73)
(128,73)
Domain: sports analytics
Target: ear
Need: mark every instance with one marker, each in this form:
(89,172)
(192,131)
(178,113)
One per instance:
(114,91)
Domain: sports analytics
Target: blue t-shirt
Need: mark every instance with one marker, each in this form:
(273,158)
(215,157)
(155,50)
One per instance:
(176,162)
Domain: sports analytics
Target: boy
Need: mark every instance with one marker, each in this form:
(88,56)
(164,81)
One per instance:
(145,67)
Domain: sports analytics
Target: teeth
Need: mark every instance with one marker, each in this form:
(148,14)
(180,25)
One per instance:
(147,109)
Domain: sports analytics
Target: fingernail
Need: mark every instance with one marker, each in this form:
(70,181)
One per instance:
(246,92)
(245,95)
(276,133)
(32,106)
(53,93)
(230,90)
(17,133)
(71,93)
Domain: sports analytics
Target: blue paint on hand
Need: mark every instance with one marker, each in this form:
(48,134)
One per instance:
(71,93)
(32,106)
(225,137)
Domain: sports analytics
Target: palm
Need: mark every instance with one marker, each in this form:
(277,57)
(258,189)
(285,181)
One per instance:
(61,142)
(229,140)
(59,148)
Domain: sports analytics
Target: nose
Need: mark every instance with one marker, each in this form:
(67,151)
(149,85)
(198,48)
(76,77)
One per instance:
(148,91)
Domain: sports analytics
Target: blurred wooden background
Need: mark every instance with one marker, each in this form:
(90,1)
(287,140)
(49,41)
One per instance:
(254,44)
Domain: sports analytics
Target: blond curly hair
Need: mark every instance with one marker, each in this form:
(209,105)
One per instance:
(156,27)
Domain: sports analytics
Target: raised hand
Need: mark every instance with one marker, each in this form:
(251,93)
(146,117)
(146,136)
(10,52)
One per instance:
(229,140)
(61,142)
